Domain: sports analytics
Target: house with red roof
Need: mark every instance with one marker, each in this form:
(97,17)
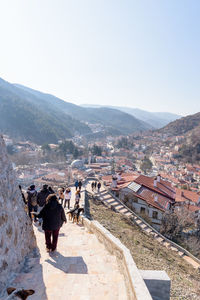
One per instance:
(149,196)
(190,200)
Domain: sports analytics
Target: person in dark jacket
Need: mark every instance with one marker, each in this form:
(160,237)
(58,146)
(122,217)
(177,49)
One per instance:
(99,186)
(41,198)
(32,200)
(95,185)
(76,184)
(80,185)
(53,216)
(51,191)
(42,195)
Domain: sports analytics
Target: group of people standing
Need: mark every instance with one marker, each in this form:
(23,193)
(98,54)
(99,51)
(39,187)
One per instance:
(95,185)
(48,208)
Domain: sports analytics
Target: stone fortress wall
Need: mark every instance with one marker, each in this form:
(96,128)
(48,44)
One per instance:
(16,234)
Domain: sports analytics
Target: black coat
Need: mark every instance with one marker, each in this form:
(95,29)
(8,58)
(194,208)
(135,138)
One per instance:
(42,196)
(53,216)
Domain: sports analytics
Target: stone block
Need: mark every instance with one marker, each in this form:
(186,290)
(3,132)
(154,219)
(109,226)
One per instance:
(158,284)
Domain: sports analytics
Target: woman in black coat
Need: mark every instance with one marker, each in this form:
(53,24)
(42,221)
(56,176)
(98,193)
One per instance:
(53,216)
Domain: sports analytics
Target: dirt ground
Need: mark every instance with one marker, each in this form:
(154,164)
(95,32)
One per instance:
(149,254)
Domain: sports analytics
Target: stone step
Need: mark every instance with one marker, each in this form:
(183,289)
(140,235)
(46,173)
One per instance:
(124,210)
(181,253)
(159,239)
(110,201)
(127,213)
(167,244)
(148,230)
(155,235)
(143,226)
(138,221)
(191,261)
(174,249)
(119,207)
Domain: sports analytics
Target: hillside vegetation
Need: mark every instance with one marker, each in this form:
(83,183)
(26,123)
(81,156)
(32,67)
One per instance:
(189,127)
(42,118)
(24,116)
(183,125)
(148,254)
(153,119)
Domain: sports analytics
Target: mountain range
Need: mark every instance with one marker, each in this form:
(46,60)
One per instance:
(155,120)
(28,114)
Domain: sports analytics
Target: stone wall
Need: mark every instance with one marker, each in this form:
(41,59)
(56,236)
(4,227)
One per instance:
(16,234)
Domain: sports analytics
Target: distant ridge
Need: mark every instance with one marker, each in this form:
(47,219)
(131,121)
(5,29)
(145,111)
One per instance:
(154,119)
(43,118)
(189,128)
(182,126)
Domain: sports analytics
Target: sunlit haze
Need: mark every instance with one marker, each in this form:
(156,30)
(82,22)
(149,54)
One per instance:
(142,54)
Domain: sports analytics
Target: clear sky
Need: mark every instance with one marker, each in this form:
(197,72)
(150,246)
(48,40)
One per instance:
(137,53)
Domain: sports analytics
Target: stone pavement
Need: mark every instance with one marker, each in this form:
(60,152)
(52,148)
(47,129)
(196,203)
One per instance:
(81,269)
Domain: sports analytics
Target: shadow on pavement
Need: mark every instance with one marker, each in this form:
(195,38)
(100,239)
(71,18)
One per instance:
(70,265)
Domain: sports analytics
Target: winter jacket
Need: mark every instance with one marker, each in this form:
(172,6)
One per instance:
(68,195)
(42,196)
(53,216)
(80,184)
(32,197)
(76,183)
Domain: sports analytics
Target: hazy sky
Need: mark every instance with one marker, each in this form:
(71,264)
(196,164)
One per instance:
(138,53)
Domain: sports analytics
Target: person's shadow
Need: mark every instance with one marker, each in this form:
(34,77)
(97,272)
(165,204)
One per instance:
(71,265)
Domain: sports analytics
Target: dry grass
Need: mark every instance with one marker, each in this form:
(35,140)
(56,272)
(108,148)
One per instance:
(149,254)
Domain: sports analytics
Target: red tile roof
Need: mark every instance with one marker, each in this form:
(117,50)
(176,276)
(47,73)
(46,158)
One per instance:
(161,202)
(163,187)
(185,195)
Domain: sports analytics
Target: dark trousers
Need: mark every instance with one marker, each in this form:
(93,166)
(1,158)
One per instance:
(51,237)
(68,203)
(30,209)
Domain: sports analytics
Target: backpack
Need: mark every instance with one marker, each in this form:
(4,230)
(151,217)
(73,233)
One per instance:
(33,198)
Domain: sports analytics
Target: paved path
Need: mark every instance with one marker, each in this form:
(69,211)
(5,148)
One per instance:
(81,269)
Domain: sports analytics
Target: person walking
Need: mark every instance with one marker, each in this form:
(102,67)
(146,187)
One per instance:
(41,198)
(80,185)
(99,186)
(67,196)
(76,184)
(32,201)
(51,191)
(95,185)
(77,197)
(53,216)
(61,196)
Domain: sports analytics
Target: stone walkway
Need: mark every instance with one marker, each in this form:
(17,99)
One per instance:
(81,269)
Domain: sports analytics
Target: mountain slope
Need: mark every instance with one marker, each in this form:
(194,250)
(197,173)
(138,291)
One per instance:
(189,127)
(118,121)
(154,119)
(42,118)
(183,125)
(22,117)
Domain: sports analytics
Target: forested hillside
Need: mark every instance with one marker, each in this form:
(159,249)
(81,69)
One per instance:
(42,118)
